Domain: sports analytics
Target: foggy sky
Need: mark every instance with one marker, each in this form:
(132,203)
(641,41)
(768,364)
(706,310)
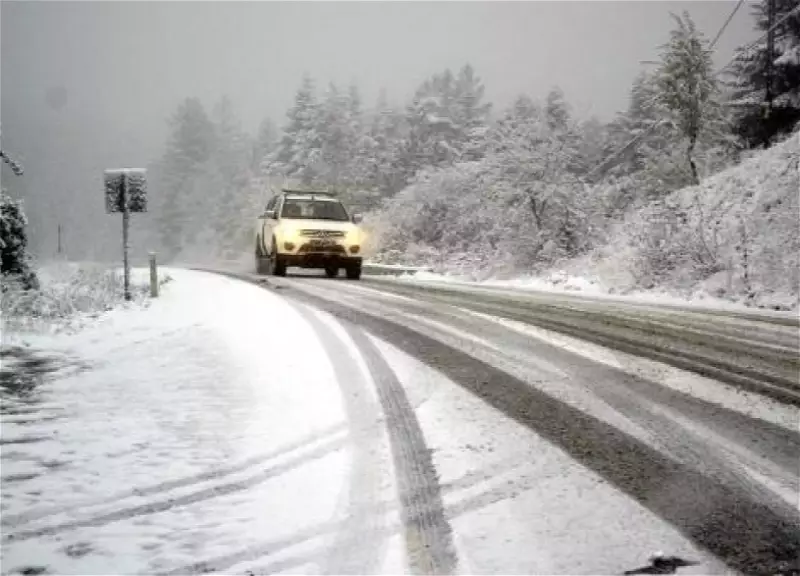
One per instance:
(124,66)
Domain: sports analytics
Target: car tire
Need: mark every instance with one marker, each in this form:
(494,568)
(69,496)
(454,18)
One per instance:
(262,264)
(354,271)
(277,265)
(331,271)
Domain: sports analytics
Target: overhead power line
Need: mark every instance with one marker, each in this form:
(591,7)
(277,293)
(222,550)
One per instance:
(725,25)
(717,73)
(754,43)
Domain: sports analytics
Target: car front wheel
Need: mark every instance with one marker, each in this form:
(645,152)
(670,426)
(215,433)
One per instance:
(277,264)
(354,271)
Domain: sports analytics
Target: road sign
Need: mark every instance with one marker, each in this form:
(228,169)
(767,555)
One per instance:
(117,197)
(126,192)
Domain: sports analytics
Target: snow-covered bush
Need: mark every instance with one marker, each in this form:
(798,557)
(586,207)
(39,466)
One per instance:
(735,236)
(15,265)
(67,292)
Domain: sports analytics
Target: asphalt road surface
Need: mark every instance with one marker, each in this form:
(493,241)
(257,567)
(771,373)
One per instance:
(617,387)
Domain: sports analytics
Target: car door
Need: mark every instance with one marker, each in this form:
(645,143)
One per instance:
(264,232)
(270,223)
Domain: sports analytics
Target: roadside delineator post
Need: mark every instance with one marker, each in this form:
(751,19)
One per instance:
(126,192)
(153,276)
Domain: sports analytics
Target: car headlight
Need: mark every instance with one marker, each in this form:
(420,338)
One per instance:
(288,235)
(354,237)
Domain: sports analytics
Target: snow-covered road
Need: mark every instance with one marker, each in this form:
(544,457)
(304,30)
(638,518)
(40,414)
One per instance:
(309,426)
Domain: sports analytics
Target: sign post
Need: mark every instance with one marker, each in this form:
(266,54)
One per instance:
(126,192)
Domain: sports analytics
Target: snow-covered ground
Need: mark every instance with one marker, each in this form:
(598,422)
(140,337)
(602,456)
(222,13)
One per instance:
(208,422)
(224,428)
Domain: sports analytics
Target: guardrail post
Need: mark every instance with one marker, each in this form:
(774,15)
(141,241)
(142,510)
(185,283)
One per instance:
(153,276)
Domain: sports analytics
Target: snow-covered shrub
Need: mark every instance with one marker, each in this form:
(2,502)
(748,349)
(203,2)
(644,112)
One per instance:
(734,236)
(66,293)
(15,265)
(672,244)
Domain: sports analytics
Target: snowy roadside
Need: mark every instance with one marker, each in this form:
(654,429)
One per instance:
(179,401)
(563,283)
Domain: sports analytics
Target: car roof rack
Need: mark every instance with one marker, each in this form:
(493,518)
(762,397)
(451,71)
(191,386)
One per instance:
(300,192)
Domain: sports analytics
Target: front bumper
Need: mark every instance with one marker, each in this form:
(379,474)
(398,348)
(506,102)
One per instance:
(320,260)
(310,254)
(319,252)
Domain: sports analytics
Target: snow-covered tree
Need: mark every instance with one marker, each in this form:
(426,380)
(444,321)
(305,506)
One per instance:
(446,120)
(299,151)
(687,87)
(432,130)
(382,148)
(265,142)
(340,129)
(533,167)
(752,70)
(13,241)
(191,145)
(14,257)
(230,174)
(471,114)
(557,111)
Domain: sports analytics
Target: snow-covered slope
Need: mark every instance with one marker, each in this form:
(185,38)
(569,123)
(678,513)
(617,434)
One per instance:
(732,239)
(735,236)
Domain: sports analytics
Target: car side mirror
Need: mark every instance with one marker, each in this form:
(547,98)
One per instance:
(357,218)
(269,215)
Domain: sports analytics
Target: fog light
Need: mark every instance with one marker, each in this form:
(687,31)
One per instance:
(288,245)
(354,249)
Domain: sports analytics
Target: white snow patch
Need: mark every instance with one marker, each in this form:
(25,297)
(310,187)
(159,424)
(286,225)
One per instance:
(215,375)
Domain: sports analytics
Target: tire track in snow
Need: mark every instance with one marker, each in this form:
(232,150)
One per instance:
(348,554)
(745,533)
(428,534)
(215,491)
(154,489)
(279,546)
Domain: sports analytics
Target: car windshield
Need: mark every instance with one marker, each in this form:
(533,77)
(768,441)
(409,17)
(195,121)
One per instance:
(314,210)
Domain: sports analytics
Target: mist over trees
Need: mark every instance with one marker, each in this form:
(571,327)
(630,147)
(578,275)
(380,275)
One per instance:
(448,179)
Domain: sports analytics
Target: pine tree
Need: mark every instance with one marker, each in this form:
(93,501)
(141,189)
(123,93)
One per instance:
(432,129)
(299,151)
(265,142)
(447,122)
(338,132)
(229,177)
(751,70)
(687,87)
(189,149)
(557,111)
(471,114)
(383,146)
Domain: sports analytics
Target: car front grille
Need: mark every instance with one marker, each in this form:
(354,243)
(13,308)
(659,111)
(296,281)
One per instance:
(321,233)
(308,248)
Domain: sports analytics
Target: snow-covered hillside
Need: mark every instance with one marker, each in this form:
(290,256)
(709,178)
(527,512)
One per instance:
(735,237)
(732,239)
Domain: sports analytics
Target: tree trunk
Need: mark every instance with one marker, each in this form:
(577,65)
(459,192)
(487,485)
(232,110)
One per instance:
(536,210)
(690,157)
